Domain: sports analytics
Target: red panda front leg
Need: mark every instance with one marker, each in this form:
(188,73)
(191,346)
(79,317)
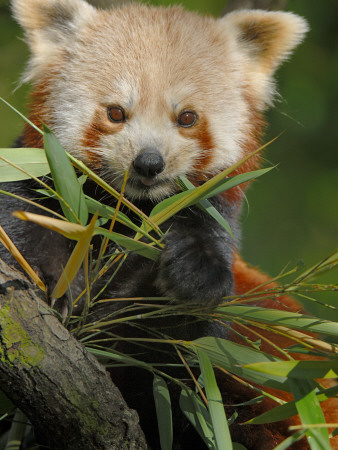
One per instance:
(196,263)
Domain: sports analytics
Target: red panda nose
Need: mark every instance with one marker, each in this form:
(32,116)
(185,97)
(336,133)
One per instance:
(149,163)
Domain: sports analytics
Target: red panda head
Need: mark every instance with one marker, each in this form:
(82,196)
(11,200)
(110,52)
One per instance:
(155,91)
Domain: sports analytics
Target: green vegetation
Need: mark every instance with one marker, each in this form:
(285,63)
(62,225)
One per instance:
(245,359)
(292,215)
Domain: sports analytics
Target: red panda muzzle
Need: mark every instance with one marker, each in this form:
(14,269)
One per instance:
(149,163)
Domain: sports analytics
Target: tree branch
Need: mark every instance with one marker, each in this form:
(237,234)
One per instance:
(66,394)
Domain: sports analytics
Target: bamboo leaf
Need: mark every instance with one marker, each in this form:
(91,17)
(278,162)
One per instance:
(207,207)
(68,229)
(65,180)
(21,115)
(233,357)
(108,212)
(11,247)
(310,412)
(75,261)
(163,412)
(33,161)
(119,358)
(286,444)
(198,415)
(215,403)
(163,211)
(276,317)
(130,244)
(229,183)
(85,170)
(282,412)
(323,266)
(298,369)
(168,204)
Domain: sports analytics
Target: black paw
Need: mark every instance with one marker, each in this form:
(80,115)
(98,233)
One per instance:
(195,269)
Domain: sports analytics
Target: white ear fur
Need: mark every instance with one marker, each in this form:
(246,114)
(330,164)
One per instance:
(50,26)
(267,37)
(264,39)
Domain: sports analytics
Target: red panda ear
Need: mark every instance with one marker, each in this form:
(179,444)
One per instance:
(267,37)
(49,25)
(263,40)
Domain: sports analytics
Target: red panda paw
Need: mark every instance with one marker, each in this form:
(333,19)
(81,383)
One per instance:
(194,269)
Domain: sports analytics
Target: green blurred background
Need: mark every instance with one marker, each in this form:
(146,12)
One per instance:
(292,212)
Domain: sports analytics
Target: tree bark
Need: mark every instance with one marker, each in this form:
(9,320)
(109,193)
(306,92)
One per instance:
(66,394)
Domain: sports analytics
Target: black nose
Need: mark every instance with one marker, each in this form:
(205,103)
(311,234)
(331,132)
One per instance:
(149,163)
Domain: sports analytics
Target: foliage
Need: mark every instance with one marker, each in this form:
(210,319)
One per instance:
(201,405)
(305,185)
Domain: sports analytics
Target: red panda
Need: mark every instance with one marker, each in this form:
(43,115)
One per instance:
(159,92)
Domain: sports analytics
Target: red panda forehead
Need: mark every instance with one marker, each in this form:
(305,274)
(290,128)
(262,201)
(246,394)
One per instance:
(169,54)
(170,38)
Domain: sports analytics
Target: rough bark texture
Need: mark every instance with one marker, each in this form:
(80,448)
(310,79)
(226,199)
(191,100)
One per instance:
(66,394)
(255,4)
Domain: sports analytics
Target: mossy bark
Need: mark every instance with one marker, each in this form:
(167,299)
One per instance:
(66,394)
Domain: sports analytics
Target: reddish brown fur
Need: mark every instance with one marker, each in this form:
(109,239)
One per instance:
(99,126)
(206,142)
(201,133)
(251,144)
(246,279)
(267,42)
(39,113)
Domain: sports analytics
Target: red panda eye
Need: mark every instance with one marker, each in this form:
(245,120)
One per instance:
(187,119)
(116,114)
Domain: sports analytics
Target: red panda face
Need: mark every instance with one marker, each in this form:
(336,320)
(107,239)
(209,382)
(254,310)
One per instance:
(151,102)
(156,92)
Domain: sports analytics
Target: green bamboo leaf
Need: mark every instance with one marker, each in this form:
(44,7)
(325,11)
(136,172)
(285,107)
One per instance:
(130,244)
(215,403)
(237,446)
(233,357)
(229,183)
(220,186)
(169,203)
(163,412)
(119,358)
(65,180)
(298,369)
(310,412)
(328,263)
(75,260)
(108,212)
(286,444)
(277,317)
(68,229)
(21,115)
(198,415)
(207,207)
(282,412)
(100,182)
(204,191)
(33,161)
